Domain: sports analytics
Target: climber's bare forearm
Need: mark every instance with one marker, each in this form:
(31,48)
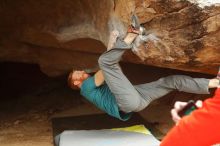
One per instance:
(99,78)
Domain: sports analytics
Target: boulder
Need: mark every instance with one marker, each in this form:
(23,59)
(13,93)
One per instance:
(63,35)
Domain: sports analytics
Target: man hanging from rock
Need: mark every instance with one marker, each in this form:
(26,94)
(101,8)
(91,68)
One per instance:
(111,91)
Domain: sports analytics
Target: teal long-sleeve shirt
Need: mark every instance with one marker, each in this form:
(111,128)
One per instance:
(103,98)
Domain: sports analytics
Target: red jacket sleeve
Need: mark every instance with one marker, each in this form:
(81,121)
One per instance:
(200,128)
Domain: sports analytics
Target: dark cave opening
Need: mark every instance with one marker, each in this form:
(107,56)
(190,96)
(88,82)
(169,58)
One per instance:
(18,78)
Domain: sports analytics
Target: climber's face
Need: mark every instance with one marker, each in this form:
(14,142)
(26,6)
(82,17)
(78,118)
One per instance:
(76,79)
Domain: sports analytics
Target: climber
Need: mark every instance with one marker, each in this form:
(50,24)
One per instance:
(112,92)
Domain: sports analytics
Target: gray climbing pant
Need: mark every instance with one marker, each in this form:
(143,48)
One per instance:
(136,97)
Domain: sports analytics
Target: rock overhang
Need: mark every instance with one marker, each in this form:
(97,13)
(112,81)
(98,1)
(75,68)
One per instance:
(63,35)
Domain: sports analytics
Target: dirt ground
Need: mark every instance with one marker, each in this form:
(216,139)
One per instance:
(29,100)
(26,119)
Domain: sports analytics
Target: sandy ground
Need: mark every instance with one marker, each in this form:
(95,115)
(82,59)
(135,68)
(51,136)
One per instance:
(27,121)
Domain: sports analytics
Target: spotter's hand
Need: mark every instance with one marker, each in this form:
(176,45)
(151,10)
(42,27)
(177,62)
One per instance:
(178,106)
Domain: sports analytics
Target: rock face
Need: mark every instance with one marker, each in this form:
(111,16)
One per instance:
(63,35)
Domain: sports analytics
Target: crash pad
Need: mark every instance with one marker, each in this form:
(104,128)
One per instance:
(102,130)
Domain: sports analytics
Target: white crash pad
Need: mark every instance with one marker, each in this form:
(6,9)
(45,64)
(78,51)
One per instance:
(129,136)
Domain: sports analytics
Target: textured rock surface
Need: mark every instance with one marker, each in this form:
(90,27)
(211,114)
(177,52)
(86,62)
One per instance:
(61,35)
(188,34)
